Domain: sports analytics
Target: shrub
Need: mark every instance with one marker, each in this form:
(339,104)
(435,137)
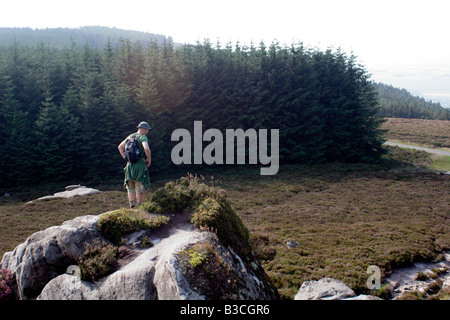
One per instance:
(412,295)
(97,261)
(196,255)
(151,206)
(113,225)
(177,196)
(206,270)
(434,287)
(173,197)
(385,292)
(211,210)
(5,283)
(197,258)
(218,216)
(146,242)
(264,250)
(421,276)
(439,271)
(444,294)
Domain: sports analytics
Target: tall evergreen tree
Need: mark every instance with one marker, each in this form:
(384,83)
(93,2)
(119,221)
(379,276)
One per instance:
(56,136)
(16,141)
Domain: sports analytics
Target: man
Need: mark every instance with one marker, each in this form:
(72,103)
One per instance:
(136,174)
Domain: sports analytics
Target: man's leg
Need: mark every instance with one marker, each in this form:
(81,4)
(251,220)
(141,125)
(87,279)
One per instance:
(139,187)
(139,198)
(131,193)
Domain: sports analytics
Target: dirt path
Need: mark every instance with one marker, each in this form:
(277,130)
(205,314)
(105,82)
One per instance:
(402,145)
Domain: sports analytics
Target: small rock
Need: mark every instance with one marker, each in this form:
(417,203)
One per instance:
(73,186)
(292,244)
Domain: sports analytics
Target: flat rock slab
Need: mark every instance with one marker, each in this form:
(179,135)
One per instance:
(79,191)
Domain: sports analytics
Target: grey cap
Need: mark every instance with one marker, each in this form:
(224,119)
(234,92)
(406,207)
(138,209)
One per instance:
(144,125)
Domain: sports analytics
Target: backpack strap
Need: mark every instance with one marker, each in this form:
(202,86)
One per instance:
(134,135)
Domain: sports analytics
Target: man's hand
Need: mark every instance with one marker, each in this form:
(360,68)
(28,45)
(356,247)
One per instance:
(147,162)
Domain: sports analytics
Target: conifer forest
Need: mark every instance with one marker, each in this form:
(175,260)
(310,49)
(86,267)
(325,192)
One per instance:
(63,111)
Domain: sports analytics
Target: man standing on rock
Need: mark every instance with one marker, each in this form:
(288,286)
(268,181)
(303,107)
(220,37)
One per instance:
(137,179)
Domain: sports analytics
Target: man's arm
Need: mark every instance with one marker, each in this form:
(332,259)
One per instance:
(147,151)
(121,148)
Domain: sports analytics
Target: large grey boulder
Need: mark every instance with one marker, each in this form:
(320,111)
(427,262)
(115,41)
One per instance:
(329,289)
(134,281)
(324,289)
(155,274)
(47,254)
(41,264)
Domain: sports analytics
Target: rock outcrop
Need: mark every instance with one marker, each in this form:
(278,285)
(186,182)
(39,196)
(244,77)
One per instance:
(420,276)
(40,266)
(324,289)
(328,289)
(422,280)
(47,254)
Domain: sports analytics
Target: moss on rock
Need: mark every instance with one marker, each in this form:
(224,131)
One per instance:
(211,210)
(218,216)
(115,224)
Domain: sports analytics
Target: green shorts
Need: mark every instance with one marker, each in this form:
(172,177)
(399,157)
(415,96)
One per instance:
(135,186)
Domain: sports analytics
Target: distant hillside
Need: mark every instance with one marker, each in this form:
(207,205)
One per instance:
(94,36)
(399,103)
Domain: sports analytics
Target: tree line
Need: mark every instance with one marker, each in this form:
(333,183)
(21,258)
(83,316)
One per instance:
(399,103)
(93,36)
(64,111)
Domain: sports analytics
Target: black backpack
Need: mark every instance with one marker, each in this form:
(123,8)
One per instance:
(132,152)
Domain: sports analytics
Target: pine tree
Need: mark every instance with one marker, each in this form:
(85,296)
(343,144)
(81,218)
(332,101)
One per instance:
(56,130)
(146,90)
(16,143)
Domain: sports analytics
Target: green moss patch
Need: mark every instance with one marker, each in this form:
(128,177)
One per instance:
(218,216)
(115,224)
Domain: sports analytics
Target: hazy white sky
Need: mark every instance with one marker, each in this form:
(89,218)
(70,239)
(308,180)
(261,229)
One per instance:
(401,42)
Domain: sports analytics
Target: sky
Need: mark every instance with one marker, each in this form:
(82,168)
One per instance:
(403,43)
